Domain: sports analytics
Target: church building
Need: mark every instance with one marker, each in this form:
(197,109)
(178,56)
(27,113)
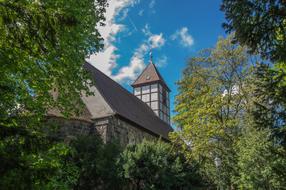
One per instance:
(116,114)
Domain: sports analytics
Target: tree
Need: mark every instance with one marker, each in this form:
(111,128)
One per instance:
(156,165)
(211,107)
(258,24)
(96,162)
(261,163)
(43,45)
(270,101)
(261,25)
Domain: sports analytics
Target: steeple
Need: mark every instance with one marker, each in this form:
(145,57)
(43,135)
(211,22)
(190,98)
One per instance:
(151,88)
(151,56)
(150,75)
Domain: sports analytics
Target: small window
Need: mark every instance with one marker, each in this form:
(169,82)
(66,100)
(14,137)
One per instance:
(154,105)
(145,89)
(137,91)
(146,98)
(154,96)
(139,97)
(154,88)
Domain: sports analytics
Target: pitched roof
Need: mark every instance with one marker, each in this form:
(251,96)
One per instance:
(127,105)
(150,75)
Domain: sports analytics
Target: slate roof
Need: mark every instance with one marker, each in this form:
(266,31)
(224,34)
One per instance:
(150,75)
(127,105)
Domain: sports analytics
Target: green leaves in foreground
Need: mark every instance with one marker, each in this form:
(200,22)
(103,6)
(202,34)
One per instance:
(231,118)
(157,165)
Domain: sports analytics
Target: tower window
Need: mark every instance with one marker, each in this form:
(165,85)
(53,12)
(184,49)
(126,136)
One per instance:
(146,97)
(145,89)
(154,88)
(154,105)
(137,91)
(154,96)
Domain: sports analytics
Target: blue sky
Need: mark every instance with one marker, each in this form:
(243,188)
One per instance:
(175,30)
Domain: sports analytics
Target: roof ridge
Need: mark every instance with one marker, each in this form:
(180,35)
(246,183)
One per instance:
(127,105)
(142,73)
(129,93)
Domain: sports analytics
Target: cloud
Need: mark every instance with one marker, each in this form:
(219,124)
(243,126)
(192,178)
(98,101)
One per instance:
(156,40)
(184,37)
(136,65)
(106,59)
(146,30)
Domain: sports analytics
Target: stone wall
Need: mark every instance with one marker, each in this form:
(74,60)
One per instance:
(69,128)
(120,130)
(110,129)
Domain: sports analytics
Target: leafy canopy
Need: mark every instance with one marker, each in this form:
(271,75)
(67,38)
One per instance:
(259,24)
(212,107)
(43,44)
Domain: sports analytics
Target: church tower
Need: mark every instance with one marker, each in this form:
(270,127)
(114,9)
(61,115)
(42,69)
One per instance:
(151,88)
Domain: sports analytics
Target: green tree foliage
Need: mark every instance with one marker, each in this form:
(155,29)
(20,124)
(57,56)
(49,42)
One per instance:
(259,25)
(270,102)
(33,161)
(43,45)
(231,118)
(261,163)
(156,165)
(211,105)
(96,162)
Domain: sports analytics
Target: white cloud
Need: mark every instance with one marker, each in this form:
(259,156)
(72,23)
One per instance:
(156,40)
(146,30)
(136,65)
(184,37)
(106,59)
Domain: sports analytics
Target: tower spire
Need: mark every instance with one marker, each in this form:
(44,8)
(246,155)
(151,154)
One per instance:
(151,56)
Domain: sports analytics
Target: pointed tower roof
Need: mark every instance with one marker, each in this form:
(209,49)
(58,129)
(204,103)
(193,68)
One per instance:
(150,75)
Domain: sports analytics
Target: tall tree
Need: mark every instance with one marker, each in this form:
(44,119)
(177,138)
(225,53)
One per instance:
(270,100)
(212,102)
(259,24)
(260,163)
(43,44)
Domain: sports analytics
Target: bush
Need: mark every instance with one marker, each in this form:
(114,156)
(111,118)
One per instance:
(96,161)
(155,165)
